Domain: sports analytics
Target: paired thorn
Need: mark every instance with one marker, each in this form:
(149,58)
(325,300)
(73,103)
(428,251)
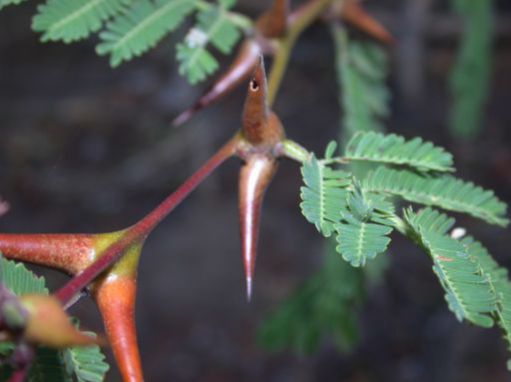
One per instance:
(255,176)
(261,133)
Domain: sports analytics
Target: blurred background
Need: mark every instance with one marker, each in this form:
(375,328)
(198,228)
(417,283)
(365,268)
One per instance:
(85,148)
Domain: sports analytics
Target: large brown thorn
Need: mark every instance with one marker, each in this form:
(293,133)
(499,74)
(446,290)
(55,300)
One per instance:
(237,73)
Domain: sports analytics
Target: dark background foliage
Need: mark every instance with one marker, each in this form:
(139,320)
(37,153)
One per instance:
(84,148)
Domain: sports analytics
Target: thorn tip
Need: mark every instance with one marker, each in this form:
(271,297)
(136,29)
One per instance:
(249,288)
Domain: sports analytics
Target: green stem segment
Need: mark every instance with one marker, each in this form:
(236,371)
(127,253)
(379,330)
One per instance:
(294,151)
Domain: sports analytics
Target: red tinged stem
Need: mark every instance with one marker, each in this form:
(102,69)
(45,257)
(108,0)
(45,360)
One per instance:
(115,297)
(353,14)
(237,73)
(140,230)
(255,177)
(70,253)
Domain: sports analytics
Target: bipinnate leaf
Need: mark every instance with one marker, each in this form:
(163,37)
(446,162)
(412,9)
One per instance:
(19,279)
(498,279)
(323,195)
(325,305)
(442,191)
(363,231)
(4,3)
(213,27)
(141,27)
(470,76)
(362,68)
(468,292)
(395,150)
(71,20)
(87,364)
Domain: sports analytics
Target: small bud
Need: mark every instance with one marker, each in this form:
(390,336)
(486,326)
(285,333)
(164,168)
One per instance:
(49,325)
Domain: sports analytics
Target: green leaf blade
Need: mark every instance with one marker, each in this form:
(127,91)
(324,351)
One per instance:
(443,191)
(86,363)
(359,242)
(141,27)
(214,28)
(19,279)
(5,3)
(468,293)
(72,20)
(395,150)
(323,195)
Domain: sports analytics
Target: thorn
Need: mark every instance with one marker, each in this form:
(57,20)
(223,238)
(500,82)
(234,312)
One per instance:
(237,73)
(249,288)
(255,175)
(185,116)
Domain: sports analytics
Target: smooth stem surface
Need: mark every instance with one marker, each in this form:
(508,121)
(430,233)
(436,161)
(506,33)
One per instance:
(294,151)
(139,231)
(298,22)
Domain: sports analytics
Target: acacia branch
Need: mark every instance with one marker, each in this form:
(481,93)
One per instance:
(140,230)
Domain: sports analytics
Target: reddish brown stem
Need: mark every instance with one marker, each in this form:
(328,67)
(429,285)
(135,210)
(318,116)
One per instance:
(70,253)
(140,230)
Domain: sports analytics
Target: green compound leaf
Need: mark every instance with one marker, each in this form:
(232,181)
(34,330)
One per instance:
(141,27)
(72,20)
(428,219)
(213,27)
(498,279)
(470,76)
(467,291)
(86,363)
(324,194)
(443,191)
(359,241)
(325,306)
(394,149)
(196,63)
(19,279)
(5,3)
(362,69)
(362,233)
